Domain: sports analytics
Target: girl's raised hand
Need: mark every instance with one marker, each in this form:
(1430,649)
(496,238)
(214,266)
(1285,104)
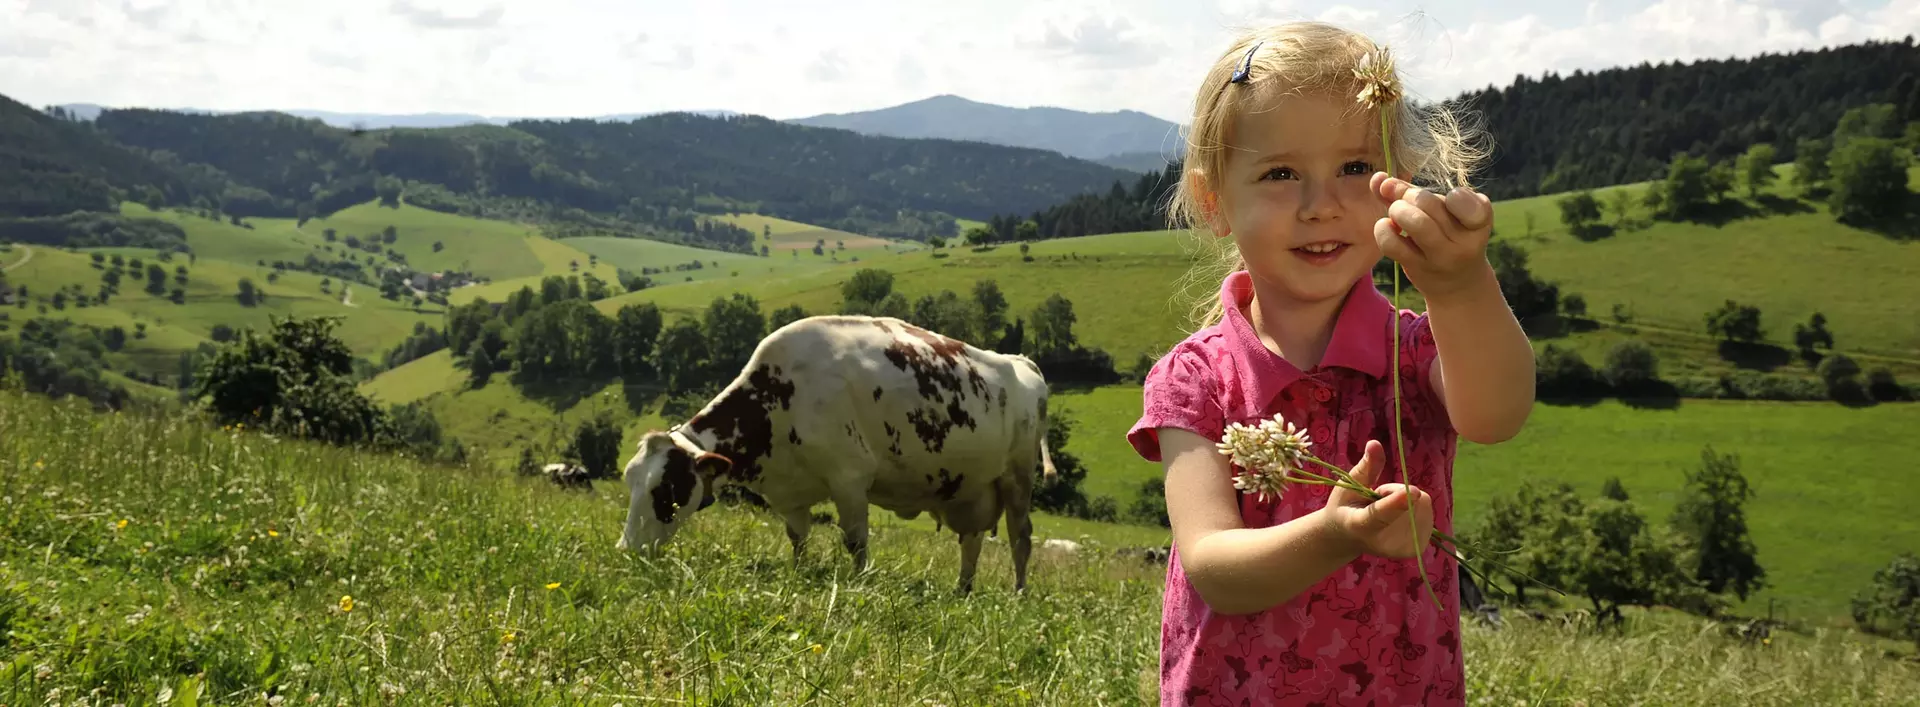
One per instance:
(1380,527)
(1445,241)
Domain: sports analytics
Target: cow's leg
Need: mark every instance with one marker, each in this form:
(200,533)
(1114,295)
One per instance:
(853,527)
(1019,526)
(799,522)
(969,559)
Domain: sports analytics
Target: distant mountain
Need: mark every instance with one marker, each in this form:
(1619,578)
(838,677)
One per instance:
(1089,136)
(649,177)
(381,121)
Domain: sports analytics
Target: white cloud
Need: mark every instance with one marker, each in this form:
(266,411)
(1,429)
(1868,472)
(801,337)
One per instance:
(587,57)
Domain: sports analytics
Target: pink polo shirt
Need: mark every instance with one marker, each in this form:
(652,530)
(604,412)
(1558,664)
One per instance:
(1368,634)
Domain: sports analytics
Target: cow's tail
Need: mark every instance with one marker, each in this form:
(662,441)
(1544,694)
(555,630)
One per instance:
(1046,457)
(1046,460)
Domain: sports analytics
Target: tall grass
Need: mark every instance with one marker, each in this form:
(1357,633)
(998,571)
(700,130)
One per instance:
(229,582)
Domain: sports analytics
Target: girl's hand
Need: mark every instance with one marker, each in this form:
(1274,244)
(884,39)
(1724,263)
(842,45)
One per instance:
(1445,241)
(1380,527)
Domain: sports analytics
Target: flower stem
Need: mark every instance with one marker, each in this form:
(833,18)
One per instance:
(1399,440)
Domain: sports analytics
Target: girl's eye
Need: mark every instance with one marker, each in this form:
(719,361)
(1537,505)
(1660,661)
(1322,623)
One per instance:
(1278,173)
(1357,167)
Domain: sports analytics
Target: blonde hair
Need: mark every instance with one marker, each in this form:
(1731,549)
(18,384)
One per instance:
(1428,142)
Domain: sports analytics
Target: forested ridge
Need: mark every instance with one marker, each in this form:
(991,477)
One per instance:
(649,177)
(655,176)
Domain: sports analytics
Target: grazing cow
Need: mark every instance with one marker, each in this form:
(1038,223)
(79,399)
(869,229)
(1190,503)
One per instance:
(567,475)
(858,410)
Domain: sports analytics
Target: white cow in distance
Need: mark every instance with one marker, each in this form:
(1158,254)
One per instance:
(858,410)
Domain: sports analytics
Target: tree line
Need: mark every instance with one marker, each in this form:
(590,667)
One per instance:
(650,177)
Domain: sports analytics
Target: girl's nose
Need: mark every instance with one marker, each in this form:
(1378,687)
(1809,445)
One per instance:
(1318,202)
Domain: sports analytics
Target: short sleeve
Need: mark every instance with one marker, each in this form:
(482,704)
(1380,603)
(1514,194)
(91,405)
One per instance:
(1179,392)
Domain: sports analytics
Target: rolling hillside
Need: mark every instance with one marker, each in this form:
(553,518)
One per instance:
(176,542)
(370,325)
(1783,262)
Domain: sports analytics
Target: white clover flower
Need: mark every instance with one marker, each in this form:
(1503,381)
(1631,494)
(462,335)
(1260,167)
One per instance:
(1267,452)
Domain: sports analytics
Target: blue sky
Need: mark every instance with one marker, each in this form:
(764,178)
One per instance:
(791,59)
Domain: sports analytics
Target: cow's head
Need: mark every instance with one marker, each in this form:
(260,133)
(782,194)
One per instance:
(667,479)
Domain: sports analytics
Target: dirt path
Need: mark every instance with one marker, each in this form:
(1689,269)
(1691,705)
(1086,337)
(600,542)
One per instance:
(23,261)
(346,296)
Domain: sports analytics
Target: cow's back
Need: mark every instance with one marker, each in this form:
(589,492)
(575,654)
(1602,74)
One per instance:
(936,419)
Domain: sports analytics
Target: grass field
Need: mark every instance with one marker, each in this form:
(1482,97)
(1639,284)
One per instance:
(147,560)
(1082,268)
(790,235)
(268,240)
(494,249)
(1821,518)
(210,300)
(633,254)
(556,258)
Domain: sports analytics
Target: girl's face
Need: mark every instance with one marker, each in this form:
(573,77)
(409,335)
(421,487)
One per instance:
(1294,195)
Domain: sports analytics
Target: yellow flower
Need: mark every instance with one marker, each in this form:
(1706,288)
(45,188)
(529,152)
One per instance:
(40,464)
(817,648)
(121,524)
(273,533)
(506,637)
(553,585)
(346,603)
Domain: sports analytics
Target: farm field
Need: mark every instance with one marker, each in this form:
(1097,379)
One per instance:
(290,569)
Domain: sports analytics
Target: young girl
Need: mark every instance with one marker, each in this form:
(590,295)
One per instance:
(1315,597)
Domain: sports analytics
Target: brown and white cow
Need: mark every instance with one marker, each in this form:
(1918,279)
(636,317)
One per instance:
(858,410)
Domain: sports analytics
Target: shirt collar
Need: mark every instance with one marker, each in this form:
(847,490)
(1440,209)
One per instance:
(1359,339)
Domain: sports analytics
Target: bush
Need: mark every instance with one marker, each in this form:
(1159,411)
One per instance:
(1842,377)
(1150,506)
(596,443)
(1736,322)
(1891,605)
(1563,373)
(1882,386)
(1632,365)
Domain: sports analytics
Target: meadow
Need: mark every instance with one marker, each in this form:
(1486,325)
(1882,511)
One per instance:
(147,559)
(1820,518)
(370,324)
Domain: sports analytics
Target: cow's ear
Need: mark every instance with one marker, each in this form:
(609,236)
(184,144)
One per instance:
(711,465)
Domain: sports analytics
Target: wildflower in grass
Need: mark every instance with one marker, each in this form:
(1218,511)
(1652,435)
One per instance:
(271,533)
(122,525)
(817,648)
(346,604)
(507,637)
(552,586)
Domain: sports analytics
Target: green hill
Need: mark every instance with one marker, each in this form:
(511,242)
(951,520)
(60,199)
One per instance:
(369,325)
(286,568)
(793,234)
(1783,262)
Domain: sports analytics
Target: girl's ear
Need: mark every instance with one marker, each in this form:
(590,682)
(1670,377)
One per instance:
(1197,183)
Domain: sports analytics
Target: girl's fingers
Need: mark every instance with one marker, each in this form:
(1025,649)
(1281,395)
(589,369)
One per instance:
(1393,245)
(1420,226)
(1470,209)
(1435,207)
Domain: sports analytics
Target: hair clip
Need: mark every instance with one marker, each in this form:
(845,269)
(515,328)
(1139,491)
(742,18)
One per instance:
(1245,71)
